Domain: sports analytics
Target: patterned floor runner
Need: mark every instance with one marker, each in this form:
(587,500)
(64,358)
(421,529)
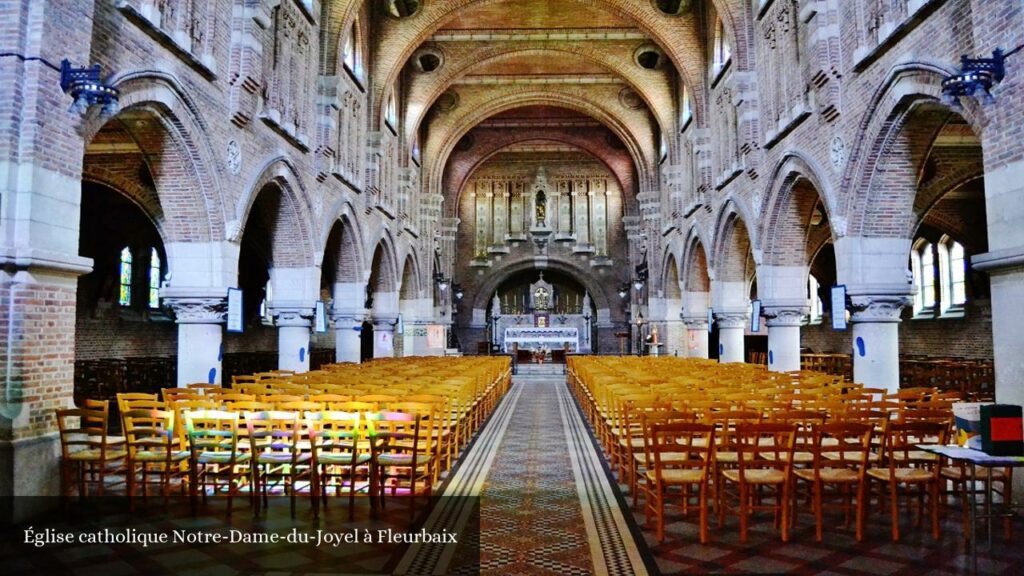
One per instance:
(546,505)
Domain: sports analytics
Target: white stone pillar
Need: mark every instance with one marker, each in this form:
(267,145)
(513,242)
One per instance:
(384,336)
(348,330)
(784,337)
(696,337)
(293,337)
(876,343)
(200,334)
(730,336)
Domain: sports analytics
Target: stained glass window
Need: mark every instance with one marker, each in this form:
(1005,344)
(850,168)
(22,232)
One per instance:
(154,278)
(124,297)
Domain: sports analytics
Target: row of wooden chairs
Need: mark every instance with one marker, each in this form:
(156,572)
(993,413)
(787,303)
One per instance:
(624,398)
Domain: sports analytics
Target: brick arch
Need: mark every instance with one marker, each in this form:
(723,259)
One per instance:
(343,246)
(793,191)
(660,102)
(145,198)
(383,272)
(696,270)
(679,37)
(669,278)
(457,183)
(179,156)
(410,287)
(594,286)
(731,256)
(292,226)
(439,152)
(884,163)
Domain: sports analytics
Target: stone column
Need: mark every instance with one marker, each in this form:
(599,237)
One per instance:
(348,329)
(876,343)
(784,337)
(293,325)
(200,317)
(730,336)
(696,337)
(384,336)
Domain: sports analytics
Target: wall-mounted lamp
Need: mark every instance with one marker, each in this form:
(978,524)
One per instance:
(638,284)
(441,281)
(85,86)
(457,291)
(976,78)
(624,290)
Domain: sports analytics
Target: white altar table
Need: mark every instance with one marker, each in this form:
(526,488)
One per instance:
(551,337)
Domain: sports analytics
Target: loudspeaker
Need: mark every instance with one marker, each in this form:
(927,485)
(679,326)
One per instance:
(1002,430)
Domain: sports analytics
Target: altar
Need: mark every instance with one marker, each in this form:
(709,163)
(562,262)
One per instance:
(552,338)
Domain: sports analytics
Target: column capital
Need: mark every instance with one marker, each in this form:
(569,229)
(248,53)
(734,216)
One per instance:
(784,316)
(696,323)
(731,319)
(384,322)
(880,309)
(198,309)
(351,315)
(292,317)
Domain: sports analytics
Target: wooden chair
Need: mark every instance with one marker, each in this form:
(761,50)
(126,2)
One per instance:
(153,447)
(906,465)
(214,454)
(338,454)
(851,444)
(86,455)
(274,442)
(755,471)
(397,442)
(681,453)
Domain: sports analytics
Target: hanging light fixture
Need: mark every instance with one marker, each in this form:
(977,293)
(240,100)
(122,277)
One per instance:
(441,281)
(457,291)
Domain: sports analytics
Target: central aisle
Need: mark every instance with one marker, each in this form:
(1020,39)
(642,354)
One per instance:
(546,505)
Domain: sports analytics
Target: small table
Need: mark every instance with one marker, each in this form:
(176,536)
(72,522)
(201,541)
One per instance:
(978,458)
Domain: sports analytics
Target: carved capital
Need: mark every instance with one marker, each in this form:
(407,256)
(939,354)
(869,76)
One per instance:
(292,317)
(198,310)
(696,323)
(348,318)
(778,316)
(731,319)
(384,323)
(878,308)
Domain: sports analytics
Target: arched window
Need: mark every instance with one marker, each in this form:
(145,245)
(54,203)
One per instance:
(154,278)
(685,106)
(952,276)
(723,52)
(351,56)
(663,149)
(922,266)
(391,112)
(124,297)
(814,300)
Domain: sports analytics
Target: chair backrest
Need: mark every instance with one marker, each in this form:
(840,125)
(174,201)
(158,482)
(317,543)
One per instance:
(755,441)
(695,441)
(385,427)
(149,430)
(82,429)
(847,444)
(273,432)
(334,431)
(172,394)
(902,438)
(726,422)
(131,400)
(212,431)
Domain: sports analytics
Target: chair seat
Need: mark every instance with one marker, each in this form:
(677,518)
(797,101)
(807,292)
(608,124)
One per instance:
(279,458)
(798,457)
(756,476)
(159,456)
(850,456)
(94,455)
(730,457)
(675,476)
(342,459)
(902,474)
(666,458)
(111,440)
(402,459)
(828,474)
(917,455)
(633,442)
(222,458)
